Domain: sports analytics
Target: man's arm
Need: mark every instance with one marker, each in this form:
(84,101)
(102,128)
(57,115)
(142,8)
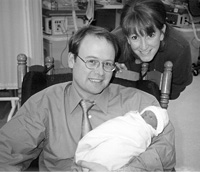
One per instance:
(159,156)
(19,142)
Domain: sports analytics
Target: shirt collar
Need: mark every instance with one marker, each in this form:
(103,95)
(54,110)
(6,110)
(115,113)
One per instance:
(74,98)
(100,100)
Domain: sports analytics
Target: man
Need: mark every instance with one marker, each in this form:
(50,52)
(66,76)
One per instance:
(49,123)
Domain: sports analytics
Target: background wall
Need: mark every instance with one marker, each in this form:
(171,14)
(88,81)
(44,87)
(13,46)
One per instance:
(185,115)
(20,32)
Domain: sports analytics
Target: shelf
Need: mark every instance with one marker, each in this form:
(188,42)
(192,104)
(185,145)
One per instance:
(57,37)
(80,12)
(51,13)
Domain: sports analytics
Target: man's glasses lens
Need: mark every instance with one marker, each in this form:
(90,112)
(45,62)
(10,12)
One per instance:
(109,66)
(93,64)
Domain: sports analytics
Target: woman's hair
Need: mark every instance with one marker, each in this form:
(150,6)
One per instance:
(76,39)
(142,17)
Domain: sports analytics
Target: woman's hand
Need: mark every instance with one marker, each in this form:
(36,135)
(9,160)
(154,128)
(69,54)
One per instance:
(120,67)
(92,166)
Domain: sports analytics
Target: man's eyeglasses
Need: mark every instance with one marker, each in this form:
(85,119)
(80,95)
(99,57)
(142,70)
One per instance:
(93,64)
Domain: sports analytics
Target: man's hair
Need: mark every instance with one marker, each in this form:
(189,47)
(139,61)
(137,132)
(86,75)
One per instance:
(142,17)
(77,38)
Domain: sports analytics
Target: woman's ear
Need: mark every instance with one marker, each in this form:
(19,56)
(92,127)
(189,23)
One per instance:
(71,60)
(163,32)
(128,40)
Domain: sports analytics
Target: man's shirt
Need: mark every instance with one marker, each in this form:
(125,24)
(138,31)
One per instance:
(49,125)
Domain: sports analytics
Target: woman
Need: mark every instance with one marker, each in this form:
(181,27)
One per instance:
(144,36)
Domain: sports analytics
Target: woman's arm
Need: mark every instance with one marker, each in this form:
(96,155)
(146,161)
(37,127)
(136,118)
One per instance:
(182,72)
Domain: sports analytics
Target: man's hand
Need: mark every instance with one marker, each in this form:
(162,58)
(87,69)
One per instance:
(92,166)
(76,168)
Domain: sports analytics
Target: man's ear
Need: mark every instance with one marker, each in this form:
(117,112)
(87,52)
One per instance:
(71,60)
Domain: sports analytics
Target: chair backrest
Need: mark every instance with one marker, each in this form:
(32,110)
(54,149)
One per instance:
(162,80)
(38,77)
(23,69)
(32,79)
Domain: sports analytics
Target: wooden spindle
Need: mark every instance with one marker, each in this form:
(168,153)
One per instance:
(49,63)
(166,84)
(21,71)
(144,70)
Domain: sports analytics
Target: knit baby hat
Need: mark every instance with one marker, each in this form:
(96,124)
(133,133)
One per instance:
(161,115)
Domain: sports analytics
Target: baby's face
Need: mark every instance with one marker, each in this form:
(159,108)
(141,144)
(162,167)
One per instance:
(150,118)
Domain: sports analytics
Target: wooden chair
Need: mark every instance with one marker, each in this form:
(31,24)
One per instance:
(126,78)
(32,79)
(162,80)
(22,70)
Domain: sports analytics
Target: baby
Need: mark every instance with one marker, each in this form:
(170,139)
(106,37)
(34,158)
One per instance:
(116,141)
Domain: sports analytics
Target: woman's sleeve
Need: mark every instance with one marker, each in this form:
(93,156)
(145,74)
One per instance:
(182,72)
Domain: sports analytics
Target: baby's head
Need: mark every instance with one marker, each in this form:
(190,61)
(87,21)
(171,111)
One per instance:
(155,116)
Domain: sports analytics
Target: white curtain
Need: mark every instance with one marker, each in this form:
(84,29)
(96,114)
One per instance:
(20,32)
